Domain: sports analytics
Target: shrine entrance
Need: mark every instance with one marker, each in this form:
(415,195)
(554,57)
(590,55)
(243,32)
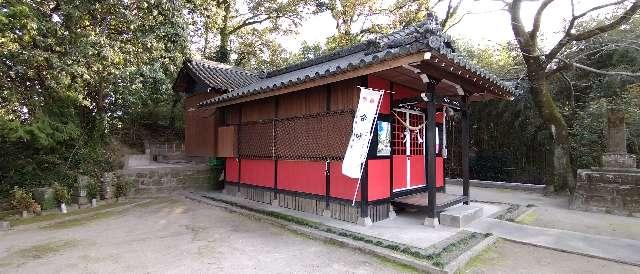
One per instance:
(408,149)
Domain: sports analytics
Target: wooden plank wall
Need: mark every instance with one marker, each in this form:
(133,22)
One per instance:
(262,109)
(309,101)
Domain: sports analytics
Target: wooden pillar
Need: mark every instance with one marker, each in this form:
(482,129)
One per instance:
(238,147)
(327,167)
(430,142)
(465,149)
(364,191)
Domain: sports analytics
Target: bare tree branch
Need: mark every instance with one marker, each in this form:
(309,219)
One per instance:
(570,37)
(518,27)
(533,34)
(590,69)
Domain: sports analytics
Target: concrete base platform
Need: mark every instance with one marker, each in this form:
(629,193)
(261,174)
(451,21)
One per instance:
(460,216)
(431,222)
(364,221)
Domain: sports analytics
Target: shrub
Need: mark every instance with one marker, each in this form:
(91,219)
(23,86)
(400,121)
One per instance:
(61,193)
(93,190)
(21,199)
(123,187)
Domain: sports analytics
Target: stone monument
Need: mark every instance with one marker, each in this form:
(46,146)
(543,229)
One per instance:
(80,191)
(615,187)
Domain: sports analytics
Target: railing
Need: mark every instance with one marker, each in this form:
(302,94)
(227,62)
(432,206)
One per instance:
(165,148)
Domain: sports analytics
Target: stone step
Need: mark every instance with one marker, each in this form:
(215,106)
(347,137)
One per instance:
(460,216)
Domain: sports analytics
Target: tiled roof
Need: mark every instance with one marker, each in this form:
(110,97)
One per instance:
(422,37)
(220,76)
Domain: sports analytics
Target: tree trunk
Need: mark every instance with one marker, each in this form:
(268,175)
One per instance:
(563,177)
(222,54)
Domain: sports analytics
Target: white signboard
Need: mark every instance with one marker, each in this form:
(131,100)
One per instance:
(366,115)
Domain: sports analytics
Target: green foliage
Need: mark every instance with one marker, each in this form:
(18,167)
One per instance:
(77,73)
(61,193)
(123,187)
(93,190)
(492,166)
(21,199)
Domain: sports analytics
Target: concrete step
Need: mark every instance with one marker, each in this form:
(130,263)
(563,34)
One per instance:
(460,216)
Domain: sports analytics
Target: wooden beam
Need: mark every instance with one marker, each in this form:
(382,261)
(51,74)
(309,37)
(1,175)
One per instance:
(417,57)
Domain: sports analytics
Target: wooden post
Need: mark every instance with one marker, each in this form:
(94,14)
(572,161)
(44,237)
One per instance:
(465,149)
(430,142)
(364,191)
(274,146)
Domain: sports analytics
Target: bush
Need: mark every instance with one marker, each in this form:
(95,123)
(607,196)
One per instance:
(61,193)
(491,166)
(122,187)
(22,200)
(93,190)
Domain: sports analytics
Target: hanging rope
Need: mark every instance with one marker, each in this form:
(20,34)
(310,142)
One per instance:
(407,125)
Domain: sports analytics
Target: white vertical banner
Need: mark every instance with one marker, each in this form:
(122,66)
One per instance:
(363,122)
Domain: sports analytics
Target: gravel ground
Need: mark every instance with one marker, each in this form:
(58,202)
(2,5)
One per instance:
(514,258)
(175,236)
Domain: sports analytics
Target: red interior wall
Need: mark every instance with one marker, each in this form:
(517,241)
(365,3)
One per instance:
(378,179)
(231,170)
(257,172)
(417,171)
(383,84)
(302,176)
(399,172)
(439,171)
(342,186)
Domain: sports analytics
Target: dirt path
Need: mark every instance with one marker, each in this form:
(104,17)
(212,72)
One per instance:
(506,257)
(175,236)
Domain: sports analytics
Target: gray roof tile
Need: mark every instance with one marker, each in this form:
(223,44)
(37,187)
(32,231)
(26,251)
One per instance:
(425,36)
(220,76)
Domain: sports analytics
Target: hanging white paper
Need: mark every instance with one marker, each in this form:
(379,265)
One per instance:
(366,114)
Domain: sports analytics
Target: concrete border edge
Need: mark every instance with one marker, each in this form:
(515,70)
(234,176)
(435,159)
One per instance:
(464,258)
(500,185)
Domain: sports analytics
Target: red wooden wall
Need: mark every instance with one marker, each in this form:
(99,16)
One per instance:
(309,176)
(257,172)
(302,176)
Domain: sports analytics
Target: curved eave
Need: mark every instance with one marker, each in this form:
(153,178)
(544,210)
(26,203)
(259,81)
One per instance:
(480,80)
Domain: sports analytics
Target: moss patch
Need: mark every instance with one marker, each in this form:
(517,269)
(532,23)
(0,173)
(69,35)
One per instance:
(528,218)
(486,257)
(69,223)
(81,220)
(17,221)
(398,267)
(6,214)
(155,202)
(43,250)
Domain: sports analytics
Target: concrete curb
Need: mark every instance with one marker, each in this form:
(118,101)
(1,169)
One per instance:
(326,237)
(464,258)
(500,185)
(573,252)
